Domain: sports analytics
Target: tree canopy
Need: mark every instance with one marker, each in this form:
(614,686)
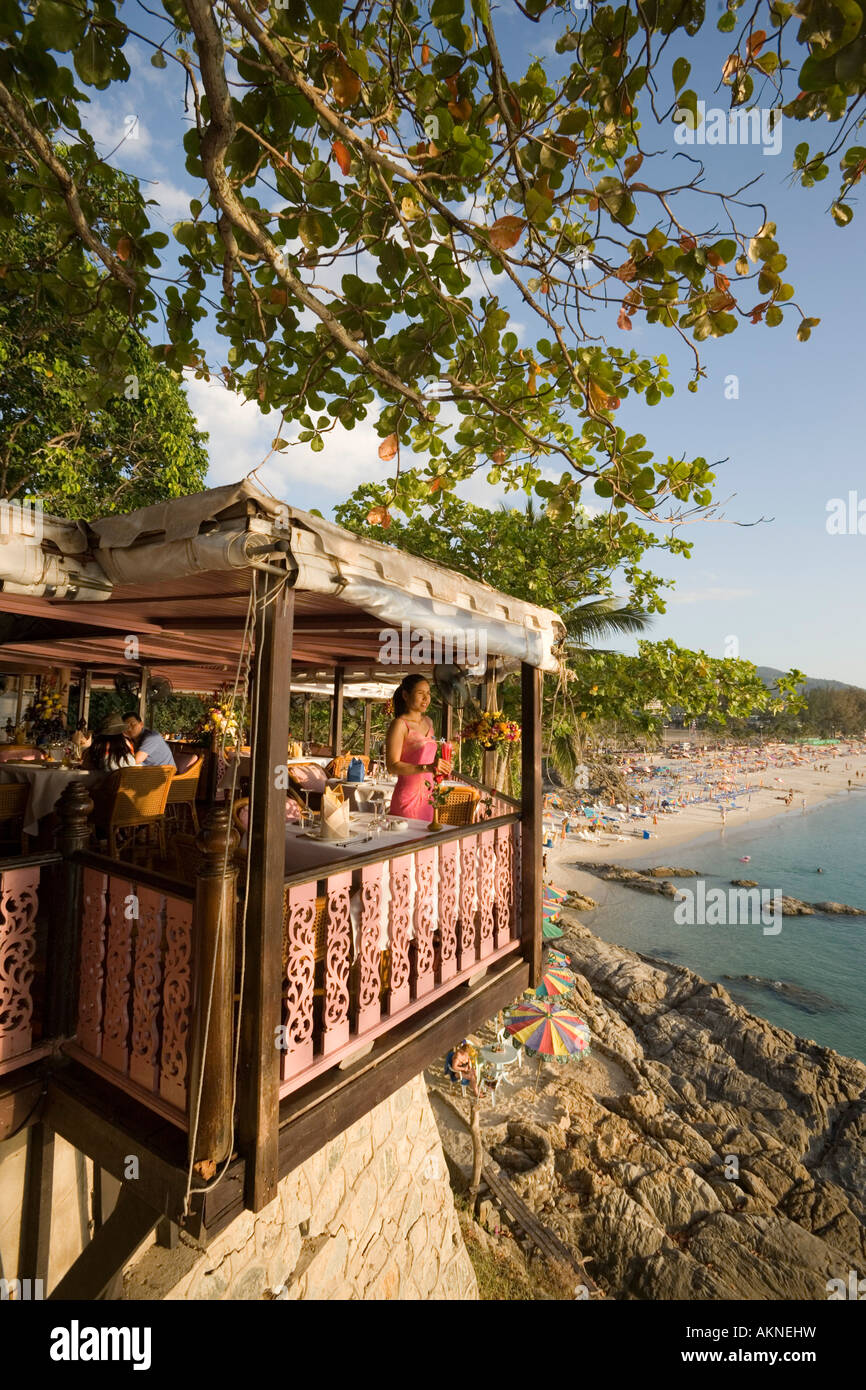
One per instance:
(368,169)
(89,422)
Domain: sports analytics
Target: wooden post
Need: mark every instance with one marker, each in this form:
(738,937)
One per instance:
(211,1039)
(73,810)
(337,713)
(488,772)
(22,686)
(142,694)
(531,685)
(447,725)
(368,726)
(259,1079)
(308,715)
(84,696)
(36,1213)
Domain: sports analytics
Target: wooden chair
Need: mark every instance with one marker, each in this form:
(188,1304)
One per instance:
(241,813)
(135,797)
(460,807)
(183,790)
(13,804)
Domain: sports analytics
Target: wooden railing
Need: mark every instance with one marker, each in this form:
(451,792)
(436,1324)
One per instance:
(24,1028)
(380,936)
(492,803)
(135,982)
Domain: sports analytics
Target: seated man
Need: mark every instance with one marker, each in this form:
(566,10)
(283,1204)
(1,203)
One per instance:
(151,749)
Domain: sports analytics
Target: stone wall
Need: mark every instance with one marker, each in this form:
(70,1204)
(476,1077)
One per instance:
(370,1216)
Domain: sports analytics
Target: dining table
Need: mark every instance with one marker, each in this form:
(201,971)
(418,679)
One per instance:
(45,785)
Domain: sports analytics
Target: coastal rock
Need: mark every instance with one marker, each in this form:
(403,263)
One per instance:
(734,1168)
(631,878)
(744,882)
(580,902)
(674,873)
(841,908)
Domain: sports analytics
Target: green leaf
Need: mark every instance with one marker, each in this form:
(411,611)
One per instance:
(157,59)
(680,74)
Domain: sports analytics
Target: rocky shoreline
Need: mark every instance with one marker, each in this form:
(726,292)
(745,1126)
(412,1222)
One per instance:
(726,1159)
(658,881)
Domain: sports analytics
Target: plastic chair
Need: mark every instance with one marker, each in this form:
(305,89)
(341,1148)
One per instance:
(184,787)
(460,807)
(13,804)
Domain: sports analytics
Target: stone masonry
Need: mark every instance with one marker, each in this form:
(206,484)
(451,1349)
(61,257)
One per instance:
(370,1216)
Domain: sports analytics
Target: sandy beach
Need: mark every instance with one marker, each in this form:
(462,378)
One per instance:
(672,831)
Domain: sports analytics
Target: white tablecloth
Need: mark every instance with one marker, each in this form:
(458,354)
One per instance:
(47,785)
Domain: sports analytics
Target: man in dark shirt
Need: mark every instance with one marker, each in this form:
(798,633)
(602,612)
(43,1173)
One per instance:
(151,749)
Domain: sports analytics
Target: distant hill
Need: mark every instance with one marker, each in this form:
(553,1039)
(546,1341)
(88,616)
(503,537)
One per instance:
(769,674)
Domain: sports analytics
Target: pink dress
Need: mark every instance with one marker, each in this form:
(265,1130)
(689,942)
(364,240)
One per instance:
(412,793)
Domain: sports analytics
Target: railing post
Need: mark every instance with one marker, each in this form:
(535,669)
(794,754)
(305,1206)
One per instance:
(531,878)
(211,1122)
(73,834)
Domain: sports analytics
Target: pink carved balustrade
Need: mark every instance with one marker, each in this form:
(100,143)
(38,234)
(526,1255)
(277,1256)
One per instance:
(19,901)
(365,948)
(135,988)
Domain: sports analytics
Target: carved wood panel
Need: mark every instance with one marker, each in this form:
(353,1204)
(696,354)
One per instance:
(468,873)
(19,890)
(338,961)
(92,969)
(447,911)
(486,888)
(504,904)
(123,913)
(369,983)
(398,932)
(147,990)
(176,1002)
(299,972)
(423,921)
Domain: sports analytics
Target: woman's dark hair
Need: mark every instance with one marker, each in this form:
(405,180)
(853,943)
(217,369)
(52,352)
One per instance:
(104,748)
(403,691)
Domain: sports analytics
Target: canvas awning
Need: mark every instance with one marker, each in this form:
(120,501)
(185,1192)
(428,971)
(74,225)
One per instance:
(175,577)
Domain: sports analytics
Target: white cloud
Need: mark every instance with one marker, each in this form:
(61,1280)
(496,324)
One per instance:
(173,201)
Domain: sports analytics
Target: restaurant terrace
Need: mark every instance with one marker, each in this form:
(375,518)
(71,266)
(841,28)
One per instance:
(223,996)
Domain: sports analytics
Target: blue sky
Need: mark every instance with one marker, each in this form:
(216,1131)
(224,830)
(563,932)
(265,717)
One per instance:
(785,590)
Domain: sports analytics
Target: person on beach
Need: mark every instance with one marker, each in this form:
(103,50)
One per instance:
(410,750)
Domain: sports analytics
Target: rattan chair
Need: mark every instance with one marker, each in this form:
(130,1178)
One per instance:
(241,813)
(134,797)
(308,781)
(13,804)
(182,792)
(339,766)
(460,807)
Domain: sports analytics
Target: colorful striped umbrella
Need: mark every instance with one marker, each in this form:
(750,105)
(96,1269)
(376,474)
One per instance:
(554,894)
(551,932)
(555,957)
(557,979)
(548,1028)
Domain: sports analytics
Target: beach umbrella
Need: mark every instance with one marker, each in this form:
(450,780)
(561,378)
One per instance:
(557,894)
(548,1028)
(557,979)
(555,957)
(551,932)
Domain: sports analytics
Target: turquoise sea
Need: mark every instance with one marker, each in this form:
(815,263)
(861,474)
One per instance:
(813,973)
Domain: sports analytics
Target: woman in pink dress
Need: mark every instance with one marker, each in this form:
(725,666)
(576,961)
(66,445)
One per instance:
(410,751)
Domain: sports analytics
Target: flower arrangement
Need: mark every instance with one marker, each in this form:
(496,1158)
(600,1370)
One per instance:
(225,717)
(47,714)
(491,730)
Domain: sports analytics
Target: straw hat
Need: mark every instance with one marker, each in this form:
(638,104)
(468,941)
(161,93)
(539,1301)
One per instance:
(112,725)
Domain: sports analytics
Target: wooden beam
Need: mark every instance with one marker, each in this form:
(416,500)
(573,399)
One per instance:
(368,726)
(532,881)
(488,758)
(337,712)
(35,1239)
(308,715)
(142,694)
(84,695)
(110,1128)
(22,685)
(259,1078)
(112,1247)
